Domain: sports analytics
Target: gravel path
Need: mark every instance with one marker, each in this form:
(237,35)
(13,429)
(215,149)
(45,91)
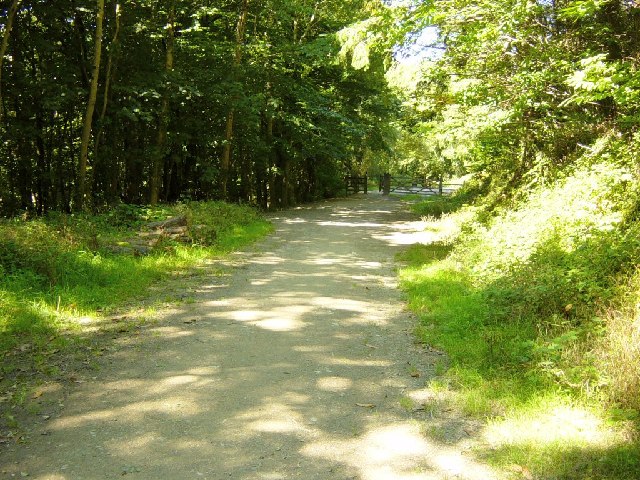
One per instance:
(300,364)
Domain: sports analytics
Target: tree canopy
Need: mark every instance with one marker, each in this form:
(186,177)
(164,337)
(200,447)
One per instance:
(272,103)
(269,103)
(521,89)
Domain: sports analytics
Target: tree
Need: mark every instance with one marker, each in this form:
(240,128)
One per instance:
(5,44)
(241,28)
(161,143)
(83,193)
(255,102)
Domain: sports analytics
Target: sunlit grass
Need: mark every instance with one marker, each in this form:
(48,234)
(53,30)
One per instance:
(519,305)
(550,420)
(55,271)
(554,436)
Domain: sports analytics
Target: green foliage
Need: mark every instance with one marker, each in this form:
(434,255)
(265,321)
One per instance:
(539,101)
(222,225)
(302,118)
(207,221)
(63,266)
(419,254)
(437,206)
(527,304)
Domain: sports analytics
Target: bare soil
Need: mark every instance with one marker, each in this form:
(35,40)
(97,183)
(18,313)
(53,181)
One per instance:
(300,363)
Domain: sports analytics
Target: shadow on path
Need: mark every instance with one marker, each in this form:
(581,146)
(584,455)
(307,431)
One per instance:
(292,367)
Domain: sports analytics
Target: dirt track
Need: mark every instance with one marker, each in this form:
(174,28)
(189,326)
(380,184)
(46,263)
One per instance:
(299,364)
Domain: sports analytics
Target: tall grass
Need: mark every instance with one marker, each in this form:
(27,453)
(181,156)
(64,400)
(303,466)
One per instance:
(56,269)
(536,307)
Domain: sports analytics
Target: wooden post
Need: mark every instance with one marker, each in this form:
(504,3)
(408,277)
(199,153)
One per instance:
(386,184)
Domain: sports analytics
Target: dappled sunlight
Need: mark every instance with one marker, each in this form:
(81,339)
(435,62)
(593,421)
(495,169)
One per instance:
(294,221)
(408,233)
(351,224)
(356,363)
(277,415)
(280,319)
(382,445)
(267,260)
(172,332)
(292,311)
(292,368)
(311,348)
(178,380)
(342,304)
(368,265)
(563,423)
(280,324)
(178,406)
(211,288)
(146,440)
(397,451)
(334,384)
(203,371)
(327,261)
(246,315)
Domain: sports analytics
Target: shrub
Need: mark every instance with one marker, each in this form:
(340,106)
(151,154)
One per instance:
(540,275)
(57,267)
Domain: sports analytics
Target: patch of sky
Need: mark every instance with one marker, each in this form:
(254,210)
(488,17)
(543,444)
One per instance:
(420,46)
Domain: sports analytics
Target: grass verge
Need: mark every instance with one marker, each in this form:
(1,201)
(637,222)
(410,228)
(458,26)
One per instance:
(536,308)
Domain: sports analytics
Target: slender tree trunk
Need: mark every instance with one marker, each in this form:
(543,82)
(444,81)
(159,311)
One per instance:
(81,34)
(5,44)
(108,79)
(108,168)
(83,192)
(311,22)
(161,142)
(225,163)
(274,172)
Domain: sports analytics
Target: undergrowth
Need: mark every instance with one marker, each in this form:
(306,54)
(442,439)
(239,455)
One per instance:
(438,205)
(536,305)
(60,269)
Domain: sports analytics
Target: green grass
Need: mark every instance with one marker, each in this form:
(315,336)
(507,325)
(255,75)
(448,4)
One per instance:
(54,271)
(535,306)
(436,206)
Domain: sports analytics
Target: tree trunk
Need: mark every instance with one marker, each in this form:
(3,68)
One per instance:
(5,44)
(108,79)
(107,167)
(161,142)
(81,34)
(91,104)
(225,163)
(273,172)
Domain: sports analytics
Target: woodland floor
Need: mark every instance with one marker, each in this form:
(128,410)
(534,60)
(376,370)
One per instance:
(297,363)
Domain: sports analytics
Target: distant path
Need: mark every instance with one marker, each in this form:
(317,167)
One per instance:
(297,365)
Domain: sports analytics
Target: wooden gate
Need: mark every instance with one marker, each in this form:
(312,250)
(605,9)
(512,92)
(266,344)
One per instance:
(355,184)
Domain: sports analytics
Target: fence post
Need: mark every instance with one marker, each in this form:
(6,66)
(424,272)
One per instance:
(386,184)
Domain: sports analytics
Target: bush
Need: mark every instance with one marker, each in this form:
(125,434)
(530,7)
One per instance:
(436,206)
(539,300)
(212,223)
(540,278)
(57,267)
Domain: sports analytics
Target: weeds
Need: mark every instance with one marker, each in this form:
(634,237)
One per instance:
(536,307)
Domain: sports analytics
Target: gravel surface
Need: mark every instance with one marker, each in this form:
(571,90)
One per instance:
(301,363)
